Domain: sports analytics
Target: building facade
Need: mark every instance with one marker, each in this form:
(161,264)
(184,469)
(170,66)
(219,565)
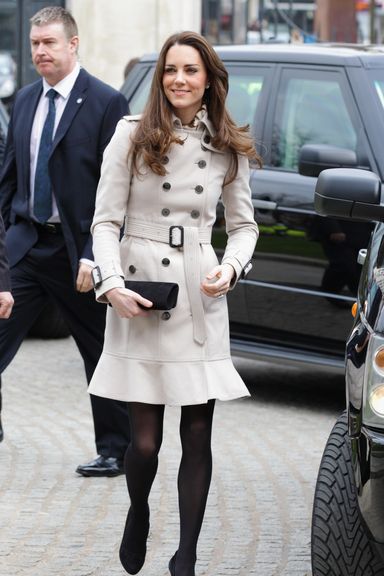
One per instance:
(123,29)
(114,31)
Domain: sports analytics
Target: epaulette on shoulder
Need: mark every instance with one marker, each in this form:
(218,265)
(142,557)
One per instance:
(133,118)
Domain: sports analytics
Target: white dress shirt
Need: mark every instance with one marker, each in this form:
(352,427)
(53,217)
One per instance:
(63,88)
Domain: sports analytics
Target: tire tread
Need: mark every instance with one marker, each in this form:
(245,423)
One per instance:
(340,546)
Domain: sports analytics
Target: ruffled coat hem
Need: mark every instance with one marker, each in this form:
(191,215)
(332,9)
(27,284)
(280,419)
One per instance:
(168,383)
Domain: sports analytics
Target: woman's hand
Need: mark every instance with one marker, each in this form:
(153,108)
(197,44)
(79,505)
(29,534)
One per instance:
(126,302)
(218,280)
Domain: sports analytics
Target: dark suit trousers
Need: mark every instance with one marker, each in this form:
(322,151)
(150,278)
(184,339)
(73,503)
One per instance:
(45,271)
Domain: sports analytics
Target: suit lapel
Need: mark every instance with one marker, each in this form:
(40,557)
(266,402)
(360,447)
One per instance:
(28,117)
(76,99)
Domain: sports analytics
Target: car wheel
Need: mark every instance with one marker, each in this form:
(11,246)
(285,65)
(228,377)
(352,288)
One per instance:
(340,546)
(50,323)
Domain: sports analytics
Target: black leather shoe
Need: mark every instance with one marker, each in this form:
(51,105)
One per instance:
(1,432)
(101,466)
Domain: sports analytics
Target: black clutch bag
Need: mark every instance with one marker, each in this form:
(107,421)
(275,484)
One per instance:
(162,294)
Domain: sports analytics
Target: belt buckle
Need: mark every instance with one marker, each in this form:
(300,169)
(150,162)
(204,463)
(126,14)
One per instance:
(50,227)
(176,236)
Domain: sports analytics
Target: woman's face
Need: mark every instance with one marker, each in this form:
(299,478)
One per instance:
(184,81)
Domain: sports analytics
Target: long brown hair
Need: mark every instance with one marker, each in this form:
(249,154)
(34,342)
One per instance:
(155,132)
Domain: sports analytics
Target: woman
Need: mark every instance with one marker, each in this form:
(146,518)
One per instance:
(168,169)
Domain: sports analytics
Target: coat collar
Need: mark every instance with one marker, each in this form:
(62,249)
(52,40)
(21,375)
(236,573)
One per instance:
(200,120)
(205,121)
(206,128)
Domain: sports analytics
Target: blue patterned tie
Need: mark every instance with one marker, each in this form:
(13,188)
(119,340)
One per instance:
(42,204)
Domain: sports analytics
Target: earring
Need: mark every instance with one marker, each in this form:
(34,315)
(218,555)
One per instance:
(207,86)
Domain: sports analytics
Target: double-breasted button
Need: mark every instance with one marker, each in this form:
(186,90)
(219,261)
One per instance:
(195,214)
(201,163)
(165,261)
(165,160)
(199,189)
(165,211)
(207,138)
(132,269)
(166,186)
(166,315)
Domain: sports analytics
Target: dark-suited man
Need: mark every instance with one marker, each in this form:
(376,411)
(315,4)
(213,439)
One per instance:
(48,184)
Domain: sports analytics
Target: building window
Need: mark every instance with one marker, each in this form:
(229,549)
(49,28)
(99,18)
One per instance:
(225,21)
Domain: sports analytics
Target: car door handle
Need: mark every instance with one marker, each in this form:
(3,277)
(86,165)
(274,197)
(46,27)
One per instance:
(362,255)
(264,204)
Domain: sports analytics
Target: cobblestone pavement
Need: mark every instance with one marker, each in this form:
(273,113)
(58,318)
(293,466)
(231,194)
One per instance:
(56,523)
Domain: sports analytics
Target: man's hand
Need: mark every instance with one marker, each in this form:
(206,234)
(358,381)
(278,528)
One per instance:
(84,278)
(6,304)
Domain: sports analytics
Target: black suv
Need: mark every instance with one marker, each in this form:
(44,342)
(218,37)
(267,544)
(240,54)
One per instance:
(348,512)
(309,108)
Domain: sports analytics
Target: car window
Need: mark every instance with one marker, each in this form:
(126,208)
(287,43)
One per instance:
(379,86)
(139,99)
(377,78)
(311,109)
(245,86)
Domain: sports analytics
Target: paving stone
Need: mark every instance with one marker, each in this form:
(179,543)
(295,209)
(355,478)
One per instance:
(55,523)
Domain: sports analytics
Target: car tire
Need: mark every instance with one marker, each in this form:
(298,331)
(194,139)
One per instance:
(340,546)
(49,324)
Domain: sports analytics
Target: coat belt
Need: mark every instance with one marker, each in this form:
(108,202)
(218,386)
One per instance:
(192,238)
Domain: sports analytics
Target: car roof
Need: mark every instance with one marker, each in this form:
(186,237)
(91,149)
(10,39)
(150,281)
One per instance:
(371,56)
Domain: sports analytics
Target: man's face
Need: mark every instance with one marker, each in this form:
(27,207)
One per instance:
(53,54)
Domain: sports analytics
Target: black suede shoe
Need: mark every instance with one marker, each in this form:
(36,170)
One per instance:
(188,568)
(133,547)
(1,432)
(172,565)
(101,466)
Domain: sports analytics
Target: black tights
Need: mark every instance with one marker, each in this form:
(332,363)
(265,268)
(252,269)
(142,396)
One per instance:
(141,461)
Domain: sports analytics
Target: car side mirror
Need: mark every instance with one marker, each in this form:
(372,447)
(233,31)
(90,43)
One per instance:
(314,158)
(349,193)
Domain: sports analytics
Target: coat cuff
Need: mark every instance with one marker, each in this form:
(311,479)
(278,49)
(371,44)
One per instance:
(108,284)
(241,268)
(105,277)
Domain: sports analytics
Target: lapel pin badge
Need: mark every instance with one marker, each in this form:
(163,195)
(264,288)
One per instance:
(79,100)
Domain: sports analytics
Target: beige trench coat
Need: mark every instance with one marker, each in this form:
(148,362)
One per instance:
(180,357)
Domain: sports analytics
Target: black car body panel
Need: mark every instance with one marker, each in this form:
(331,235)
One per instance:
(369,453)
(295,302)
